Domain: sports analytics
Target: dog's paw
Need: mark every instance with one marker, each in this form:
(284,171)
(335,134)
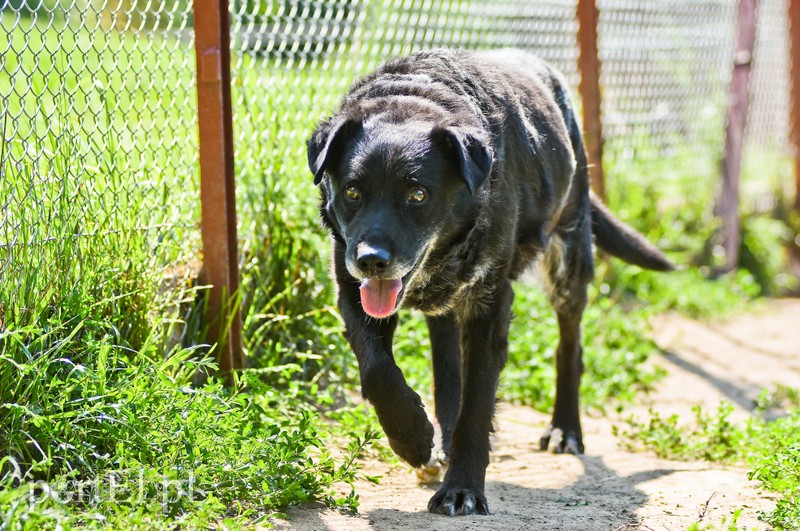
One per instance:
(407,427)
(560,441)
(416,451)
(411,437)
(453,500)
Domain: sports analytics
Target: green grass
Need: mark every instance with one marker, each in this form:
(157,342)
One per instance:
(90,393)
(770,448)
(100,424)
(100,245)
(143,446)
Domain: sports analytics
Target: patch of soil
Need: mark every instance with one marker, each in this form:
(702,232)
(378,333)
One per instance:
(609,487)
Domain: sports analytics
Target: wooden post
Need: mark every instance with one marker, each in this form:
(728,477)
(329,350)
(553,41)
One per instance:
(589,88)
(794,96)
(738,103)
(217,192)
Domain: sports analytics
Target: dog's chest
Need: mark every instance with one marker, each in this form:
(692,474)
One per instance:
(454,285)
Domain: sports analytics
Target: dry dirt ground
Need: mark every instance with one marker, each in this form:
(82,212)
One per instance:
(609,488)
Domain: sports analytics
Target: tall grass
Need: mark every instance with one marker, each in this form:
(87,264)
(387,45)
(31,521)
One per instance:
(90,395)
(100,424)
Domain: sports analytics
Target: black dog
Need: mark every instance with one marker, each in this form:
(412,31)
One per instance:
(444,176)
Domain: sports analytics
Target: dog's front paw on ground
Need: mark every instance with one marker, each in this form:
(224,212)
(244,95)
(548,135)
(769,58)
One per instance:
(454,500)
(562,441)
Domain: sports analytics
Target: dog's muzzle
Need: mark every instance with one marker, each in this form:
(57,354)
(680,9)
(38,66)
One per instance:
(382,279)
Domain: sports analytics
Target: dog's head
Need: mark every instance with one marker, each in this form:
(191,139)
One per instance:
(390,191)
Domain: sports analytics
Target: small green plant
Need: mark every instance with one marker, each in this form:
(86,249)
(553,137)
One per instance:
(125,436)
(780,473)
(724,525)
(710,437)
(770,448)
(658,434)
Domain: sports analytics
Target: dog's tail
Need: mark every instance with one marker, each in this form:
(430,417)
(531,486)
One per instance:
(622,241)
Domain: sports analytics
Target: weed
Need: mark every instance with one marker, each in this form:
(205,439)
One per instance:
(780,473)
(724,525)
(770,448)
(710,437)
(120,434)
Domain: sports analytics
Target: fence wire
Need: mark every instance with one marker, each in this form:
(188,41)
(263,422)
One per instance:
(767,159)
(99,151)
(665,70)
(666,66)
(98,110)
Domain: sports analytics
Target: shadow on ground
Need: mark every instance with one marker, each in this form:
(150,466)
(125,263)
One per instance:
(598,499)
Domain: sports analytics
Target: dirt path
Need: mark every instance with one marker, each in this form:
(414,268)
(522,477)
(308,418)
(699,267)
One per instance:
(609,488)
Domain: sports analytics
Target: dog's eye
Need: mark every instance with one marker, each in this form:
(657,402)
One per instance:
(352,193)
(417,195)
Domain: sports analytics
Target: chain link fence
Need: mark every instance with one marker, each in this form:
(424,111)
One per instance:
(767,158)
(98,106)
(666,66)
(99,148)
(294,59)
(665,70)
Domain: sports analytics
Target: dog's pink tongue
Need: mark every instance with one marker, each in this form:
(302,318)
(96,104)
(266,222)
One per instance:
(379,296)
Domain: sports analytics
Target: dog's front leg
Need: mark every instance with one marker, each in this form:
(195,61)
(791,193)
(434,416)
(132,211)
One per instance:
(400,410)
(484,342)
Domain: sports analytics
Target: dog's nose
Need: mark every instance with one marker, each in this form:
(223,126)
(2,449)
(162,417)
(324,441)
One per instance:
(372,260)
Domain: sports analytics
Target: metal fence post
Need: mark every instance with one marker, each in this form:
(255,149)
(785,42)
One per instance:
(217,191)
(738,103)
(589,88)
(794,96)
(794,59)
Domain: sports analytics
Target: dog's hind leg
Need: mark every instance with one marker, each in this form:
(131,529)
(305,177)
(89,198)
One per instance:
(446,362)
(569,268)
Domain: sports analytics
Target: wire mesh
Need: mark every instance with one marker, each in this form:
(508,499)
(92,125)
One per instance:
(99,150)
(294,59)
(666,69)
(98,111)
(665,66)
(767,157)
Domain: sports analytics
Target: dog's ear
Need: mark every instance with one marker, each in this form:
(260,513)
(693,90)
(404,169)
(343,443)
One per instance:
(473,155)
(326,144)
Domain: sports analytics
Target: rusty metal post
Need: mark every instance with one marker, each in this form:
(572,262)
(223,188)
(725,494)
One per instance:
(589,88)
(794,59)
(738,103)
(217,192)
(794,88)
